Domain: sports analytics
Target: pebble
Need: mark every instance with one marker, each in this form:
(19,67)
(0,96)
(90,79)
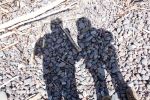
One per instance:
(3,95)
(145,77)
(132,51)
(93,33)
(59,40)
(115,97)
(144,61)
(131,47)
(85,94)
(143,72)
(28,81)
(62,64)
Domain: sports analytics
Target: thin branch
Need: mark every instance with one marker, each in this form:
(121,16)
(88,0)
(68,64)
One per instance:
(146,31)
(43,16)
(9,81)
(30,15)
(6,34)
(9,46)
(66,31)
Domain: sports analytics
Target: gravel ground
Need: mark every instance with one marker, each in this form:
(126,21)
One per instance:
(115,41)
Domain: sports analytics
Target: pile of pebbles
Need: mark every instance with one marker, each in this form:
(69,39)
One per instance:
(109,60)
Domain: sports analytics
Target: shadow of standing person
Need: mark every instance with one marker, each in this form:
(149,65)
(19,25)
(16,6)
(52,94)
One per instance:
(99,54)
(58,63)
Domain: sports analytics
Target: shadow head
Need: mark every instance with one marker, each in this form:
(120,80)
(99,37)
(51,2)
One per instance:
(56,24)
(83,23)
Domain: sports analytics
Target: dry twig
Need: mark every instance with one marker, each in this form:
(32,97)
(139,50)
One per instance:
(9,46)
(6,34)
(35,97)
(43,16)
(71,40)
(146,31)
(30,15)
(9,81)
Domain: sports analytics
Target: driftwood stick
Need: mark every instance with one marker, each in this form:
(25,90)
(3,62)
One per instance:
(9,46)
(66,31)
(9,81)
(43,16)
(30,15)
(6,34)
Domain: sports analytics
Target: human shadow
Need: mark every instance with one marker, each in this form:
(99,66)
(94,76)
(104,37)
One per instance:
(100,54)
(59,58)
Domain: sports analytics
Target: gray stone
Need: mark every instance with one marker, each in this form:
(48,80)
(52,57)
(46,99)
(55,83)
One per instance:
(143,71)
(101,71)
(144,61)
(3,95)
(45,1)
(1,77)
(145,77)
(131,47)
(89,38)
(28,81)
(93,32)
(59,40)
(115,97)
(62,64)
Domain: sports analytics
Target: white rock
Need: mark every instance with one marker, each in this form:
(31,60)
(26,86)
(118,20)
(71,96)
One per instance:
(144,61)
(3,95)
(143,71)
(21,65)
(115,97)
(84,94)
(111,92)
(145,77)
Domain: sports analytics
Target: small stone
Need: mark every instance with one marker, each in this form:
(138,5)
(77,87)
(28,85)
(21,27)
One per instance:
(111,92)
(59,40)
(45,1)
(64,83)
(42,91)
(101,71)
(115,97)
(3,95)
(89,38)
(80,96)
(130,84)
(27,81)
(145,77)
(93,32)
(21,66)
(131,47)
(84,94)
(1,77)
(144,61)
(143,71)
(138,76)
(62,64)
